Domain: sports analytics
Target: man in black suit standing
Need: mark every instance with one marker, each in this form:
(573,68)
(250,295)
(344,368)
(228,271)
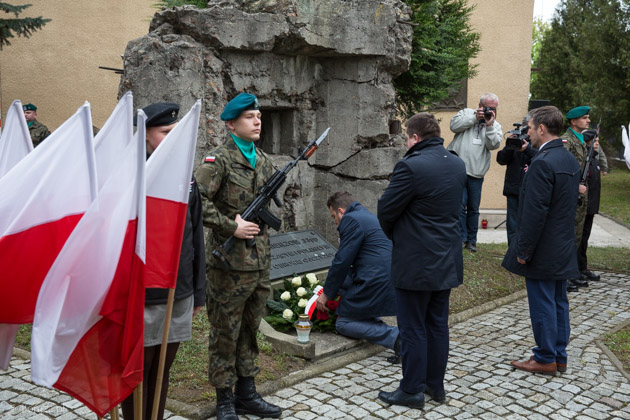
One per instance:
(544,251)
(419,212)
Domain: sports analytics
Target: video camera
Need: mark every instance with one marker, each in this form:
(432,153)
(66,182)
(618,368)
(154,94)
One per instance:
(515,140)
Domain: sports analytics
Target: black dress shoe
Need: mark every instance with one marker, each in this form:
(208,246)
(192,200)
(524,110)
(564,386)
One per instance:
(579,282)
(438,397)
(400,397)
(588,275)
(572,288)
(471,247)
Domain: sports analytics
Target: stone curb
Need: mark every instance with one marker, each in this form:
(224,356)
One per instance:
(604,348)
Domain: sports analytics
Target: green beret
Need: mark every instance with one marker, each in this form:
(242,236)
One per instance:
(242,102)
(29,107)
(160,113)
(577,112)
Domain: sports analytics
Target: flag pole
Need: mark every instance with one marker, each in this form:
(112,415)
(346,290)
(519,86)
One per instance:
(113,415)
(137,402)
(160,372)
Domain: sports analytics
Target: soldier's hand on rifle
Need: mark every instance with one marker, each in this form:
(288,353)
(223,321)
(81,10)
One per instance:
(582,189)
(245,229)
(321,302)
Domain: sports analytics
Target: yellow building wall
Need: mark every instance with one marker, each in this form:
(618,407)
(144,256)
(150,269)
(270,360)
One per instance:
(503,67)
(57,67)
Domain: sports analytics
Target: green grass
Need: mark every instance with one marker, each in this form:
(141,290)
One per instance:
(619,344)
(615,196)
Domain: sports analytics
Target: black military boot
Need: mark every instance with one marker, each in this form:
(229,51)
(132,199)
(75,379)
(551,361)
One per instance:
(248,401)
(225,404)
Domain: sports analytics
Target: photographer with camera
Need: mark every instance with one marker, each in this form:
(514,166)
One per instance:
(476,133)
(516,155)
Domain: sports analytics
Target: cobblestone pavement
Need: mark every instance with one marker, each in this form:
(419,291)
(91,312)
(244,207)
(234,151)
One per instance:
(479,380)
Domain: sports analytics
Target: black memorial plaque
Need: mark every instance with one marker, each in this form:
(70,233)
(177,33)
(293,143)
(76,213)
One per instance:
(299,252)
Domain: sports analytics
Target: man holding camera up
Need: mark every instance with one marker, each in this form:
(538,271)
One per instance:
(516,155)
(476,133)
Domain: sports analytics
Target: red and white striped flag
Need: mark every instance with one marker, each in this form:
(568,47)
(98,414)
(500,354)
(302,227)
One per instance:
(43,198)
(169,170)
(15,140)
(88,329)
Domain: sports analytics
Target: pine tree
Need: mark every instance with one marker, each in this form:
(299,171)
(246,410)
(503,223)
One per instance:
(443,44)
(25,27)
(585,60)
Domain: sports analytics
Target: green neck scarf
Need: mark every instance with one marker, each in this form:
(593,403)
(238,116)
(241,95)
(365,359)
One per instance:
(31,123)
(578,135)
(247,149)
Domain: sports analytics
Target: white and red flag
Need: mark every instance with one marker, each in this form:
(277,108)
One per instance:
(43,198)
(112,139)
(88,330)
(15,140)
(169,171)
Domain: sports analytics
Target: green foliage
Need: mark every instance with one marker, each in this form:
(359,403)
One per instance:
(443,44)
(584,59)
(615,196)
(9,28)
(175,3)
(539,30)
(287,303)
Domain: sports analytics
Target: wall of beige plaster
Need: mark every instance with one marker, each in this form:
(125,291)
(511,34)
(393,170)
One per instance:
(504,69)
(57,67)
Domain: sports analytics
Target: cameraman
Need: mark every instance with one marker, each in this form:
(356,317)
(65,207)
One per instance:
(516,161)
(476,133)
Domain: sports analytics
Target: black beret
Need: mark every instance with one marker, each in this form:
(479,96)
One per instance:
(242,102)
(160,113)
(589,135)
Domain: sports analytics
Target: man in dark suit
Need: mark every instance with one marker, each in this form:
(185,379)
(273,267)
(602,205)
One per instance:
(360,273)
(544,251)
(419,211)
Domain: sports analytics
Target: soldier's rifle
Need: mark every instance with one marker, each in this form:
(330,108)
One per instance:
(589,156)
(257,211)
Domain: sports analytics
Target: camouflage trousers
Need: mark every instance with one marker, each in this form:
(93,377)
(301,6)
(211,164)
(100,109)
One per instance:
(235,302)
(580,216)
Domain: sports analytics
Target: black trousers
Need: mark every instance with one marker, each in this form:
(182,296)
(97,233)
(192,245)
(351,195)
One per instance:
(149,377)
(586,233)
(423,325)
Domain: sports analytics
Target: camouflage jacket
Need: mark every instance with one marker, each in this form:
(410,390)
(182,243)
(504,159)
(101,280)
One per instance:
(576,147)
(228,184)
(38,132)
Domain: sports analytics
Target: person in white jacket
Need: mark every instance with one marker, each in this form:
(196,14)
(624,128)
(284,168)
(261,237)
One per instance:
(477,132)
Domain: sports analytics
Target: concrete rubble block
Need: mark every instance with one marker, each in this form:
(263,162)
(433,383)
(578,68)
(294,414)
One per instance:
(370,163)
(225,28)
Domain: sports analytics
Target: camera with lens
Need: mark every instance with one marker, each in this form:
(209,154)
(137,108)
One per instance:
(487,114)
(515,140)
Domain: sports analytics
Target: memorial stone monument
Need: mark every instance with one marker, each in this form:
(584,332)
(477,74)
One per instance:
(312,63)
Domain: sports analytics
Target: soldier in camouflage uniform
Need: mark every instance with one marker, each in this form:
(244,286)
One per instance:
(228,181)
(37,130)
(579,121)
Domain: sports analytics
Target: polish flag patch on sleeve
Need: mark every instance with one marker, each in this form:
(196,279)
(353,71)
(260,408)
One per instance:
(209,159)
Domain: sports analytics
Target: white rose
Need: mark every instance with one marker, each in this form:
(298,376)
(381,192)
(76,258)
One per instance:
(287,314)
(302,303)
(296,281)
(300,291)
(312,279)
(285,296)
